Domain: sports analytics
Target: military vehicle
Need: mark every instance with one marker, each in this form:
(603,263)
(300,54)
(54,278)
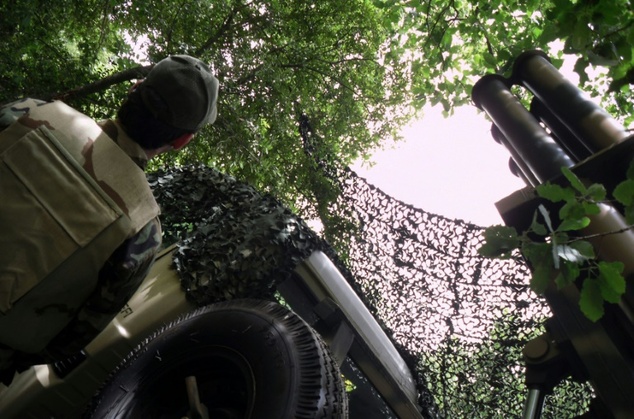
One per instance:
(164,356)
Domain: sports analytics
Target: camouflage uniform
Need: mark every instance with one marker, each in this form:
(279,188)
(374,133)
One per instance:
(118,279)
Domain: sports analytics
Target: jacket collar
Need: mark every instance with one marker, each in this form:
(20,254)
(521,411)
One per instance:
(114,129)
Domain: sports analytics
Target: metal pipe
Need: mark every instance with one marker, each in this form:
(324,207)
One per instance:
(517,172)
(614,247)
(534,404)
(533,145)
(523,171)
(574,147)
(591,124)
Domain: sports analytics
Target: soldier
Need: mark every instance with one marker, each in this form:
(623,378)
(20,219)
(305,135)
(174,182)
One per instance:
(79,226)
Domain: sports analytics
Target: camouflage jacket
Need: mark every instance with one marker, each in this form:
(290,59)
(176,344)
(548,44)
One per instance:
(118,279)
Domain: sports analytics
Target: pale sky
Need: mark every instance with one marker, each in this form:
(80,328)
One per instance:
(452,166)
(447,166)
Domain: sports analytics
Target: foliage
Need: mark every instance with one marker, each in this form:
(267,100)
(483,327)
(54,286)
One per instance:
(52,47)
(486,378)
(357,69)
(557,252)
(234,242)
(455,42)
(275,60)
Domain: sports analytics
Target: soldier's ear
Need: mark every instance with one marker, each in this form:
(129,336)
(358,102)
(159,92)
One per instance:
(182,141)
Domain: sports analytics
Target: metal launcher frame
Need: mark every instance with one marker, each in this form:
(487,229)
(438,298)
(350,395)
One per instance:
(563,127)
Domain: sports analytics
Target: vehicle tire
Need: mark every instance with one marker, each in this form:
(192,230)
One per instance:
(251,359)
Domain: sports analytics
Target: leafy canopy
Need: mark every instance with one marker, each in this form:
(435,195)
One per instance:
(453,43)
(358,69)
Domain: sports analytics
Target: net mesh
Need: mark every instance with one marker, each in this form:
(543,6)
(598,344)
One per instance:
(465,318)
(460,320)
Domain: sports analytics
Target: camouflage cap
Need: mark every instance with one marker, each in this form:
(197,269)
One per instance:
(188,90)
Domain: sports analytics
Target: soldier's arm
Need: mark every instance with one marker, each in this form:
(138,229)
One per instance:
(118,280)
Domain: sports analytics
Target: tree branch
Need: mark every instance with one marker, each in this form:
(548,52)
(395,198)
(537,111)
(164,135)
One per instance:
(100,85)
(214,37)
(607,233)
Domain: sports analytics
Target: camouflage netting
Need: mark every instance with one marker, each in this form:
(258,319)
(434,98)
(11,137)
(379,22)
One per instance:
(460,320)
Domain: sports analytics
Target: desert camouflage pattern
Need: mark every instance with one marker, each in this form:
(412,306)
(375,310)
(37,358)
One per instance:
(66,313)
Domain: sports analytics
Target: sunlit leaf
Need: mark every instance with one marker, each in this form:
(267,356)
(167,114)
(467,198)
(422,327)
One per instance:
(554,192)
(546,215)
(570,254)
(585,248)
(574,224)
(499,241)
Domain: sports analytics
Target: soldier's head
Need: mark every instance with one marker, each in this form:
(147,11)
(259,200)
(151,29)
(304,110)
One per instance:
(175,100)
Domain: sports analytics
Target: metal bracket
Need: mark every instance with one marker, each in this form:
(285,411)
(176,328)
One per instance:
(545,368)
(335,329)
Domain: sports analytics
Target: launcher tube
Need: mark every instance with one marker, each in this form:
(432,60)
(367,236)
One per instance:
(529,141)
(575,148)
(522,171)
(591,124)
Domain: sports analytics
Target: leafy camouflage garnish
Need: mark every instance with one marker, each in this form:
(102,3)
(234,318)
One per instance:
(234,241)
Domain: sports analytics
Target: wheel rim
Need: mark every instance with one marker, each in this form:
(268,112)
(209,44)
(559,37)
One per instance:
(224,379)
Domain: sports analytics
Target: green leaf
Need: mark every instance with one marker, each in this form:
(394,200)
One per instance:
(536,253)
(624,192)
(538,227)
(590,208)
(584,248)
(570,254)
(572,210)
(575,182)
(571,271)
(549,34)
(490,59)
(611,281)
(540,256)
(542,275)
(554,193)
(568,273)
(574,224)
(590,300)
(500,241)
(596,192)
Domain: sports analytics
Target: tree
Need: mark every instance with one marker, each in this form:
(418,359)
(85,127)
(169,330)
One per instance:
(276,62)
(356,69)
(456,42)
